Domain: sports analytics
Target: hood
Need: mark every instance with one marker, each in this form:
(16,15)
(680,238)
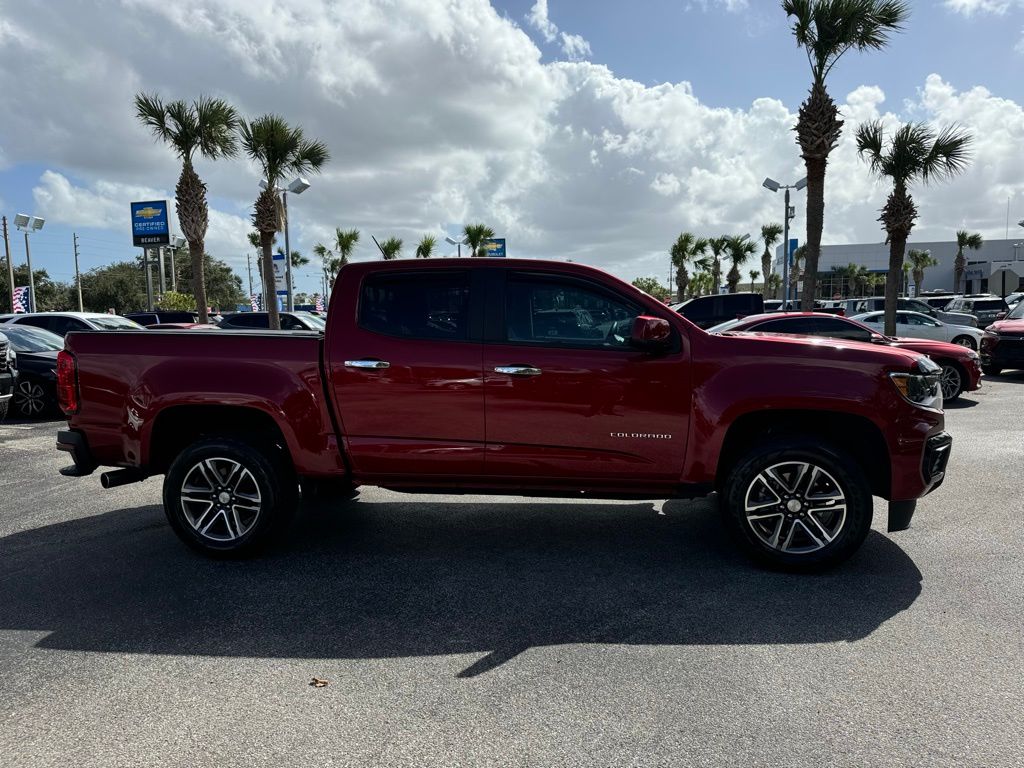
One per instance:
(1007,326)
(931,347)
(837,351)
(37,360)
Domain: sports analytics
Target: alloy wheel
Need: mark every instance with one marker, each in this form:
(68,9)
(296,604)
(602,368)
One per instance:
(29,398)
(950,382)
(220,499)
(795,507)
(964,341)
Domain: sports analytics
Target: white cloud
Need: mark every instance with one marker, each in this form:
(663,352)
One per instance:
(575,47)
(732,6)
(440,112)
(969,7)
(538,18)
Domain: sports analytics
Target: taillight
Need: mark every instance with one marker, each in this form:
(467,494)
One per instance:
(67,382)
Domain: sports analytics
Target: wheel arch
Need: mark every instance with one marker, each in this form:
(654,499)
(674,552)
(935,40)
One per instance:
(855,435)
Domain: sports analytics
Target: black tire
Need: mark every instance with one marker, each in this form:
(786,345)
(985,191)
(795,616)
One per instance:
(966,341)
(230,528)
(31,399)
(3,409)
(953,377)
(837,473)
(991,370)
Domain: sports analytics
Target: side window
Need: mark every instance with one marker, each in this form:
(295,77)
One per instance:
(38,321)
(548,311)
(61,325)
(904,318)
(802,325)
(419,306)
(289,323)
(837,329)
(874,319)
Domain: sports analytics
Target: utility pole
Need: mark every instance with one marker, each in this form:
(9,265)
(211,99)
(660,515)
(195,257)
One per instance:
(163,279)
(248,266)
(174,274)
(78,276)
(289,304)
(31,278)
(10,265)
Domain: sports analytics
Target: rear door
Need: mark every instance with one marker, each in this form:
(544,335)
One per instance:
(569,402)
(405,370)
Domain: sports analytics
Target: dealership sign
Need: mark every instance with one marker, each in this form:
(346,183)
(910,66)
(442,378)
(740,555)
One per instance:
(280,274)
(149,224)
(495,246)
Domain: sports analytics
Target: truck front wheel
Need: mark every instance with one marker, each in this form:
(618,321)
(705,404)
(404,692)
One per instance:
(226,498)
(798,505)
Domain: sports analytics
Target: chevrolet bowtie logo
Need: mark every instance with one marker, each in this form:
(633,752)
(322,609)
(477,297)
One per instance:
(148,212)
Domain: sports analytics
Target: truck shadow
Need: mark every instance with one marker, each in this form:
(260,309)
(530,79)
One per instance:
(397,579)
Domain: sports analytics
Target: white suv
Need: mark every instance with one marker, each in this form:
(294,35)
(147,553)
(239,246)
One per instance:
(62,322)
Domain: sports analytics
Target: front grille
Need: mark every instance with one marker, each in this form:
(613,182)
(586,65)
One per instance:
(3,356)
(936,456)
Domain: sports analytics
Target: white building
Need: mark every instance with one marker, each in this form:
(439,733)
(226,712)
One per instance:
(985,271)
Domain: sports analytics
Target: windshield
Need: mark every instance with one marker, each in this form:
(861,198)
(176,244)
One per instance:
(1017,313)
(114,322)
(314,321)
(728,325)
(25,338)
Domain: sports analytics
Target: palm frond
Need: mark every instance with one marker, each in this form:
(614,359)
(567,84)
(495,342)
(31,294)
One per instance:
(949,155)
(217,124)
(870,143)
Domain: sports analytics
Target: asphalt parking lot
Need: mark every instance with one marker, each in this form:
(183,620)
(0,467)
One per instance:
(486,631)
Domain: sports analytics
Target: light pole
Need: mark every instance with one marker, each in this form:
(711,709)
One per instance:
(28,225)
(453,241)
(774,186)
(177,241)
(297,187)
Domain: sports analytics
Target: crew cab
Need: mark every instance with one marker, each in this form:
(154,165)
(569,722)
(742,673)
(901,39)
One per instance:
(1003,344)
(508,376)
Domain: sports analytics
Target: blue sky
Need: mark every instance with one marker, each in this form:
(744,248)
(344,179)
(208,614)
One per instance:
(547,152)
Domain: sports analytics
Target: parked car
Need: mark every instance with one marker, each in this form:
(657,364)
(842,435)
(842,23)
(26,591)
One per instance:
(919,326)
(1013,299)
(877,304)
(8,375)
(62,322)
(290,321)
(162,316)
(36,350)
(492,402)
(961,366)
(831,307)
(705,311)
(183,327)
(985,307)
(1003,344)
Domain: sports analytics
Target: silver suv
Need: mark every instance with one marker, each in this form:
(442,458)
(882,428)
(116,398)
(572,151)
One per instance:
(877,304)
(986,307)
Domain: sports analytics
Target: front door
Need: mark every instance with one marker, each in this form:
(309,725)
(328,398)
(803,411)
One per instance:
(406,377)
(569,401)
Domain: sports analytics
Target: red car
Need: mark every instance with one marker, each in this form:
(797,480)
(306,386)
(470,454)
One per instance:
(961,366)
(1003,343)
(509,376)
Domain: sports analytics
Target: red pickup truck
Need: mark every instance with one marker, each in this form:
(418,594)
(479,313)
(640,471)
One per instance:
(510,377)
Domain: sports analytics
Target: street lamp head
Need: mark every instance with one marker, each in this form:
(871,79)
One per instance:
(177,241)
(771,184)
(28,223)
(802,183)
(263,183)
(298,186)
(452,241)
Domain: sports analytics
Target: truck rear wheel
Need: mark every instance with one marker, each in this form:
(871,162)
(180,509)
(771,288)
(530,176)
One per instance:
(226,498)
(801,505)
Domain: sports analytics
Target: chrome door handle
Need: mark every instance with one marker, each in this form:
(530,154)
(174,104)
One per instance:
(374,364)
(518,370)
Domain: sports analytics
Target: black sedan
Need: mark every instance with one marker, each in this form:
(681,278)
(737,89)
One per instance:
(35,393)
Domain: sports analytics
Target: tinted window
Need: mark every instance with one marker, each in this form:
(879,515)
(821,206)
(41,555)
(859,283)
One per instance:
(987,305)
(837,329)
(434,306)
(39,321)
(291,323)
(554,312)
(802,325)
(248,321)
(871,319)
(26,338)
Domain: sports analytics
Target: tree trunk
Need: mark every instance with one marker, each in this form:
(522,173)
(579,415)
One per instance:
(959,264)
(733,279)
(766,271)
(815,224)
(897,219)
(682,280)
(273,316)
(897,246)
(190,204)
(918,280)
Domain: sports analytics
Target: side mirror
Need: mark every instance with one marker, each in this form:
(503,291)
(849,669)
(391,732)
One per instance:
(650,333)
(1001,316)
(877,338)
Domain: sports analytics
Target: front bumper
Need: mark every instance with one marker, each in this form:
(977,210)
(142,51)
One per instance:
(937,449)
(1003,351)
(6,385)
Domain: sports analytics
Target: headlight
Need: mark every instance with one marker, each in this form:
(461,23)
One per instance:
(921,387)
(972,355)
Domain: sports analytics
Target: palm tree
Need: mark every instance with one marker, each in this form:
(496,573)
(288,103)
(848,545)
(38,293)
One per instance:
(391,248)
(770,234)
(795,269)
(754,274)
(827,29)
(717,246)
(919,262)
(915,152)
(207,127)
(475,234)
(686,247)
(740,249)
(298,260)
(964,239)
(774,283)
(425,247)
(327,260)
(280,150)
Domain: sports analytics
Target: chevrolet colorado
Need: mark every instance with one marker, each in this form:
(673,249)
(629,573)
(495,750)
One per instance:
(508,376)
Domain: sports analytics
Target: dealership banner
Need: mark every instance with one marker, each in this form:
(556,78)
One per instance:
(495,246)
(150,226)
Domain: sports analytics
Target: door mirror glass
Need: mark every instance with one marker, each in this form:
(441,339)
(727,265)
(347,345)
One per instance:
(650,333)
